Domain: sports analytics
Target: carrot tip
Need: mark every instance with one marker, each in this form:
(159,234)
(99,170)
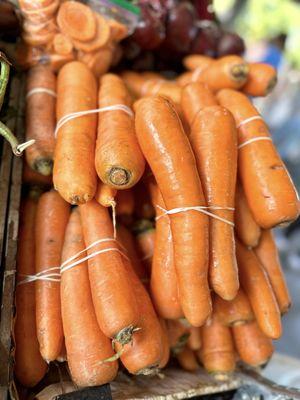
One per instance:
(271,85)
(150,371)
(239,72)
(119,176)
(44,166)
(125,335)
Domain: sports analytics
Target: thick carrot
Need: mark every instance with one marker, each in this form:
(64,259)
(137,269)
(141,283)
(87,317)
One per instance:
(74,172)
(62,44)
(98,61)
(267,253)
(134,82)
(262,79)
(187,360)
(253,346)
(194,341)
(196,61)
(196,96)
(40,118)
(164,286)
(270,193)
(178,335)
(29,365)
(51,221)
(168,152)
(57,61)
(247,229)
(145,242)
(255,282)
(113,297)
(165,343)
(105,195)
(147,350)
(214,141)
(119,160)
(77,21)
(87,346)
(163,87)
(118,30)
(217,351)
(185,78)
(234,312)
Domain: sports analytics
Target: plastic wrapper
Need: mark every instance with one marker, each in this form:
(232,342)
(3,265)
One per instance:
(58,31)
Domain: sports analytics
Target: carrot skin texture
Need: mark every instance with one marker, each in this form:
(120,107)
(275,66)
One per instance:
(114,300)
(51,221)
(270,193)
(187,360)
(29,367)
(262,79)
(40,119)
(105,195)
(119,160)
(194,341)
(86,344)
(74,174)
(165,343)
(267,253)
(217,166)
(155,119)
(194,61)
(253,346)
(255,282)
(247,229)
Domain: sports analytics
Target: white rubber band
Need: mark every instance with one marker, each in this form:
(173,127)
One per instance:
(202,209)
(41,276)
(71,116)
(256,139)
(254,118)
(40,90)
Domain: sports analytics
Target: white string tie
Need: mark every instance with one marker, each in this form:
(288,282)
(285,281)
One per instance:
(71,116)
(256,139)
(40,90)
(41,276)
(202,209)
(250,119)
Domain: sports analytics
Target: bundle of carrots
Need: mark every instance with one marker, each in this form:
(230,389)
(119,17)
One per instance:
(166,252)
(57,32)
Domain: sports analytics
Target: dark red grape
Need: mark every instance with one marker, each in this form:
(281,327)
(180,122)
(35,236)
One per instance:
(206,40)
(131,48)
(144,62)
(204,9)
(230,43)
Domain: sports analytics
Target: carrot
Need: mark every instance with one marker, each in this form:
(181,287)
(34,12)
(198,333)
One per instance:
(194,341)
(105,195)
(178,335)
(187,360)
(32,177)
(196,96)
(126,238)
(42,13)
(98,61)
(117,54)
(77,21)
(143,206)
(145,241)
(119,161)
(165,344)
(114,300)
(255,282)
(40,118)
(262,79)
(163,87)
(196,61)
(38,39)
(185,78)
(217,351)
(234,312)
(32,27)
(33,5)
(270,193)
(164,286)
(100,39)
(87,346)
(135,82)
(125,202)
(247,230)
(168,152)
(62,44)
(51,221)
(253,346)
(267,253)
(57,61)
(147,350)
(216,157)
(74,173)
(118,30)
(29,365)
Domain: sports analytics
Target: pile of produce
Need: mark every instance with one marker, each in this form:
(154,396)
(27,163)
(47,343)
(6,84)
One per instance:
(156,240)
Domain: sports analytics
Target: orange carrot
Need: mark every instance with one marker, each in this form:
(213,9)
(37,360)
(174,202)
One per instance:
(125,202)
(270,193)
(51,221)
(29,5)
(178,335)
(262,79)
(145,241)
(98,61)
(38,39)
(185,78)
(57,61)
(74,172)
(40,118)
(247,230)
(135,82)
(255,282)
(62,44)
(168,152)
(187,360)
(196,61)
(62,357)
(165,343)
(234,312)
(87,347)
(217,351)
(77,21)
(113,297)
(194,341)
(196,96)
(29,365)
(169,89)
(119,161)
(105,195)
(118,30)
(267,253)
(253,346)
(164,286)
(216,157)
(40,13)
